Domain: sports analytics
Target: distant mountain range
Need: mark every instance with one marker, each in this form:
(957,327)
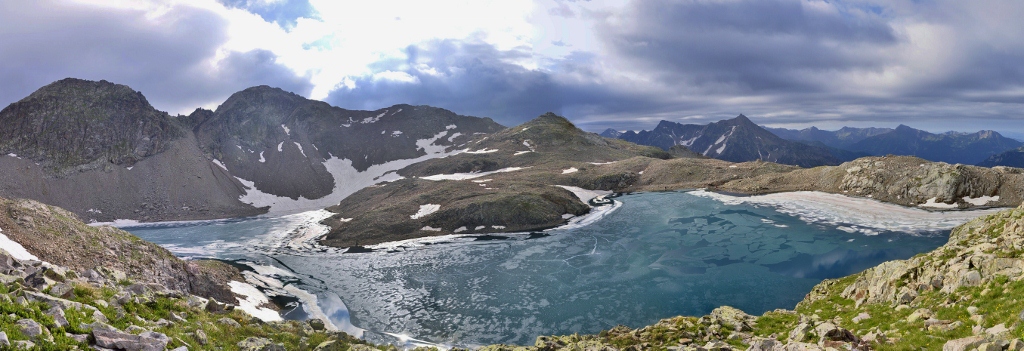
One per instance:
(735,140)
(950,147)
(1012,158)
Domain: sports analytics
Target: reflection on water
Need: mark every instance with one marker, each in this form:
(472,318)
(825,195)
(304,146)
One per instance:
(660,255)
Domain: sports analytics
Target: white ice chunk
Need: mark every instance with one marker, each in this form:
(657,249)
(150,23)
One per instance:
(841,210)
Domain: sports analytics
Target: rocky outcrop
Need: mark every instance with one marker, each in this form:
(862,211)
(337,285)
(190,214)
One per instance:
(907,181)
(75,125)
(56,236)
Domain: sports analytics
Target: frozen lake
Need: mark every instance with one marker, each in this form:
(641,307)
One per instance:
(658,255)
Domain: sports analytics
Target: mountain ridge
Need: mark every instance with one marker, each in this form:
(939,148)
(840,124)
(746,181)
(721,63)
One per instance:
(736,140)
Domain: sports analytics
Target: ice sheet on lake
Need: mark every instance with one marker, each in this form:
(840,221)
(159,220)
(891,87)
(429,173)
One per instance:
(841,210)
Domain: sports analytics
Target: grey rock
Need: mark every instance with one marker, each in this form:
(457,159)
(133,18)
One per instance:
(760,344)
(180,348)
(229,322)
(23,345)
(62,290)
(200,337)
(58,316)
(964,344)
(99,317)
(30,328)
(3,339)
(258,344)
(317,324)
(149,341)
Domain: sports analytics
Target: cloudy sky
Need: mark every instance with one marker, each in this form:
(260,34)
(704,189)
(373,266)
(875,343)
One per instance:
(932,64)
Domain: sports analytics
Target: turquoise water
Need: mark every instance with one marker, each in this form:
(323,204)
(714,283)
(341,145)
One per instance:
(657,256)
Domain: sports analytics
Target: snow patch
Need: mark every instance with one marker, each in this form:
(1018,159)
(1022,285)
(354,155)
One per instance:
(931,203)
(347,180)
(280,147)
(15,249)
(129,168)
(262,159)
(451,126)
(479,227)
(286,130)
(498,227)
(253,298)
(584,194)
(369,120)
(426,210)
(981,201)
(482,151)
(521,153)
(860,214)
(465,176)
(14,155)
(217,162)
(300,149)
(454,135)
(602,163)
(396,133)
(570,170)
(430,229)
(460,229)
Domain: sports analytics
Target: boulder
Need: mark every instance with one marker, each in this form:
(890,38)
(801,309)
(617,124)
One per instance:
(964,344)
(258,344)
(30,328)
(732,317)
(112,339)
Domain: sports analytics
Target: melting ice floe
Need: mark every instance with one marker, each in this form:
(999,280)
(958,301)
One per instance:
(347,180)
(15,249)
(853,214)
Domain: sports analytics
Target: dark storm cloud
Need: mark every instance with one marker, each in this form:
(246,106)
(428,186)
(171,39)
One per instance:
(747,45)
(165,58)
(475,78)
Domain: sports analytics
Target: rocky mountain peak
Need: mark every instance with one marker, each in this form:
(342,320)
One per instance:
(74,122)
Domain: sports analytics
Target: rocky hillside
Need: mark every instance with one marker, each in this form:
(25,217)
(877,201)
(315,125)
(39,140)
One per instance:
(907,181)
(1012,158)
(281,141)
(68,286)
(735,140)
(101,151)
